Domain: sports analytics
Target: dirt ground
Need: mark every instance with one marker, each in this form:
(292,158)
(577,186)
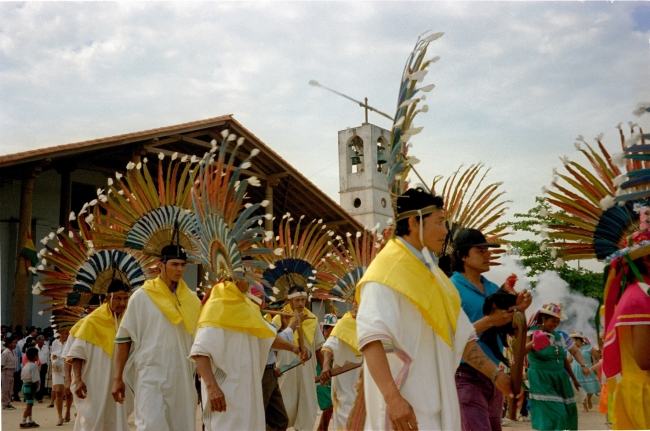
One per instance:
(47,419)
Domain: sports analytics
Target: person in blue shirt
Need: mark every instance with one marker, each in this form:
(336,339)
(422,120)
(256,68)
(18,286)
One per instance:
(481,403)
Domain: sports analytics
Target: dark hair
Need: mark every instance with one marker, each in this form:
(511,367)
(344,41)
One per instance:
(118,286)
(294,289)
(10,340)
(414,199)
(457,263)
(28,343)
(32,354)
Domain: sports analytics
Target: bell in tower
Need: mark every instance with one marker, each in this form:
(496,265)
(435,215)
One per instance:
(363,182)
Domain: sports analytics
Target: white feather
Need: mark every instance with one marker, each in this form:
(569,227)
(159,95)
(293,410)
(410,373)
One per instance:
(619,159)
(607,202)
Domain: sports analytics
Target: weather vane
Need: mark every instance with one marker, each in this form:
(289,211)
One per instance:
(362,104)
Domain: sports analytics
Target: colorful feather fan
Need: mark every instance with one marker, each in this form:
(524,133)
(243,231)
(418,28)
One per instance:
(471,204)
(298,258)
(399,164)
(347,263)
(75,272)
(635,184)
(230,235)
(141,212)
(589,224)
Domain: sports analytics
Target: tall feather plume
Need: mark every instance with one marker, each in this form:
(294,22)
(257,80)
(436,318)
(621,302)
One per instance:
(140,213)
(229,236)
(298,257)
(348,262)
(471,204)
(409,97)
(73,271)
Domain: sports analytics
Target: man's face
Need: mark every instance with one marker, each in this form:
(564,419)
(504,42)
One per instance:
(119,302)
(478,259)
(298,303)
(40,342)
(173,268)
(13,345)
(63,335)
(434,231)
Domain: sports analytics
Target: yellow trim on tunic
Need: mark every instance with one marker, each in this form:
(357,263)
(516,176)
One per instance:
(188,309)
(346,331)
(228,308)
(435,297)
(98,328)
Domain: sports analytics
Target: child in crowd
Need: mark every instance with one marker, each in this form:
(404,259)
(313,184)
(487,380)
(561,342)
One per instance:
(31,380)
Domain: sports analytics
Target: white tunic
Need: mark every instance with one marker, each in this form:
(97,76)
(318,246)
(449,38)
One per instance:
(298,387)
(343,393)
(158,370)
(421,363)
(98,411)
(238,360)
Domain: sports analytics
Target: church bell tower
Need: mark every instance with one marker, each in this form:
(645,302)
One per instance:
(363,156)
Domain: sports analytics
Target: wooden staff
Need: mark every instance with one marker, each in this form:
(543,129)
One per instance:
(301,335)
(279,313)
(348,366)
(517,368)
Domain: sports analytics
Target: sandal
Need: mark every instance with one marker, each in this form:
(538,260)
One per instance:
(59,423)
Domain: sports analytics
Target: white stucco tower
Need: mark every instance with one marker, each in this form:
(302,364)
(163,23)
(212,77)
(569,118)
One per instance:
(363,152)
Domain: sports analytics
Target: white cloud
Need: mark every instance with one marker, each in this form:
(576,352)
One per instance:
(516,81)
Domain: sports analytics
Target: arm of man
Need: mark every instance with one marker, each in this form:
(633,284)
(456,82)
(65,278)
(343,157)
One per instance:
(215,394)
(496,318)
(121,356)
(80,389)
(474,356)
(399,410)
(281,344)
(325,374)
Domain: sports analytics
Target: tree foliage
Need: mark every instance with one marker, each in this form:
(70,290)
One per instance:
(536,257)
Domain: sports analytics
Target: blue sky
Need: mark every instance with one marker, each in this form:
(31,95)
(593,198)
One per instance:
(516,84)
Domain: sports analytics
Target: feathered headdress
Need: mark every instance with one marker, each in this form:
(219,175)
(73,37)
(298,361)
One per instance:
(297,259)
(146,214)
(347,263)
(230,234)
(471,204)
(75,272)
(590,225)
(399,164)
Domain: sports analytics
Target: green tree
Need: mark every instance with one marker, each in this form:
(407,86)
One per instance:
(537,257)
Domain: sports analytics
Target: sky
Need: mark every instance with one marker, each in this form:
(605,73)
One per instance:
(516,84)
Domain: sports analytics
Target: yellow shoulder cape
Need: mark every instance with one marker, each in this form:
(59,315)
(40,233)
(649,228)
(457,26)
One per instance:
(346,331)
(98,328)
(229,309)
(188,309)
(435,297)
(308,326)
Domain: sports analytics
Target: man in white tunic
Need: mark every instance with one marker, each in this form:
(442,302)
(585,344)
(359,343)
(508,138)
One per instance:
(411,329)
(158,327)
(297,385)
(231,347)
(93,364)
(341,348)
